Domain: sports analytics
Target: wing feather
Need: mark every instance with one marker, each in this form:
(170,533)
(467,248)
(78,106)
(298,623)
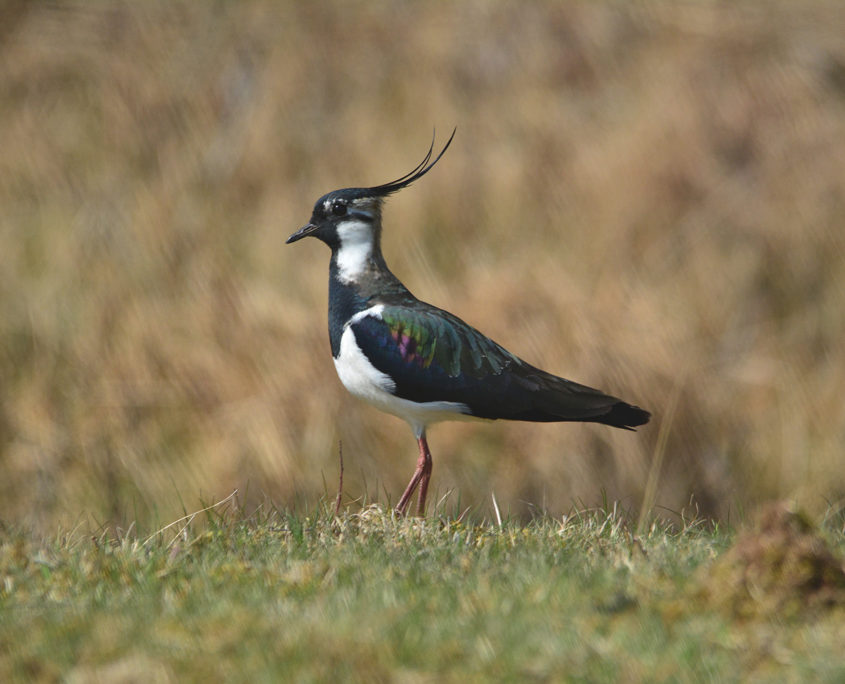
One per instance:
(433,355)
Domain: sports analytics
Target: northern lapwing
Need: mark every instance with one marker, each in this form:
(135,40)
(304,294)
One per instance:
(419,362)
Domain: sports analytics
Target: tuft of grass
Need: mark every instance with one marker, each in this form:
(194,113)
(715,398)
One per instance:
(780,567)
(311,596)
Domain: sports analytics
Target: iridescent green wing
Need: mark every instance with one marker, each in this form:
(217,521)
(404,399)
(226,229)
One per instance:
(429,353)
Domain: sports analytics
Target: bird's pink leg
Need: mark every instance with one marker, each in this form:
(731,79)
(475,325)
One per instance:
(421,477)
(425,456)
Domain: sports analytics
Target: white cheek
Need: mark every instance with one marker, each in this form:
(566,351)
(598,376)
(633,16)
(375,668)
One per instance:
(356,248)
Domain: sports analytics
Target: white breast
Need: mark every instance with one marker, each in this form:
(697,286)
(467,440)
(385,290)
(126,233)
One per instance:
(356,372)
(367,382)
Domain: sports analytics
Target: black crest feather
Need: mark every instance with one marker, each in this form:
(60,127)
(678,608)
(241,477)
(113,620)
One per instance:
(417,172)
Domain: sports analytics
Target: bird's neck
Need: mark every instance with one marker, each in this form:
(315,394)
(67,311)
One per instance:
(359,278)
(357,261)
(358,251)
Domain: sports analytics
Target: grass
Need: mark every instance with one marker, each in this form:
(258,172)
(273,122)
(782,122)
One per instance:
(286,596)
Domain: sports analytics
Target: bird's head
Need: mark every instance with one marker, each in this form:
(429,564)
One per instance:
(352,216)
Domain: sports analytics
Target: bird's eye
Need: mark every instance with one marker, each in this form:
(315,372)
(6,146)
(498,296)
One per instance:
(339,209)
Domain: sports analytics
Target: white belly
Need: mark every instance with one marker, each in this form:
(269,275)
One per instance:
(367,382)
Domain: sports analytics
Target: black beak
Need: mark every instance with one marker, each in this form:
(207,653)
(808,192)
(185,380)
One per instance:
(305,231)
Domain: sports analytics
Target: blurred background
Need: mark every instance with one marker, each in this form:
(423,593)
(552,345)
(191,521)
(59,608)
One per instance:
(648,198)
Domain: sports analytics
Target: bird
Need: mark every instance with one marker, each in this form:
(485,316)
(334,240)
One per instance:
(417,361)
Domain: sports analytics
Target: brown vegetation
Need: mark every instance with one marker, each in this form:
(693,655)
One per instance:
(647,199)
(782,567)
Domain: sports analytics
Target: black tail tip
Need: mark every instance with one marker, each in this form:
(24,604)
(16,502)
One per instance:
(625,416)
